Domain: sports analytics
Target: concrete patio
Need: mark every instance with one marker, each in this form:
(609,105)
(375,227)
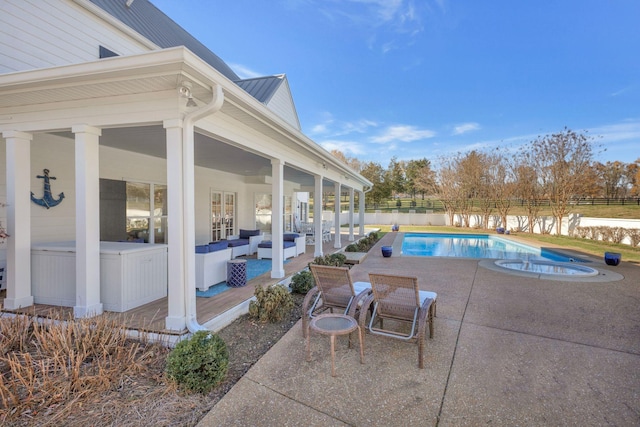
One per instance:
(508,350)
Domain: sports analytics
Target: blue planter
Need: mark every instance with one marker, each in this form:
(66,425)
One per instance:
(612,258)
(387,251)
(500,230)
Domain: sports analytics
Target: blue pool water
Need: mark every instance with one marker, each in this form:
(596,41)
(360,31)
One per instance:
(474,246)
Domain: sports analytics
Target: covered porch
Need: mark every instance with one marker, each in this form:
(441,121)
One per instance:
(214,312)
(168,119)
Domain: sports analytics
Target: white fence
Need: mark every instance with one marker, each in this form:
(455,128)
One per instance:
(544,224)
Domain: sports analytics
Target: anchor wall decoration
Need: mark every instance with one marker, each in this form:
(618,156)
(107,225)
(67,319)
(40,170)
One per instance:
(47,200)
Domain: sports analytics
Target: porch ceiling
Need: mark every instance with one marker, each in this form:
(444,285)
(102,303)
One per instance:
(209,152)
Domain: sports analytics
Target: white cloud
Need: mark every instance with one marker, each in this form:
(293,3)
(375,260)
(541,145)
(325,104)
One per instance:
(624,131)
(244,72)
(348,148)
(465,127)
(331,127)
(381,20)
(404,133)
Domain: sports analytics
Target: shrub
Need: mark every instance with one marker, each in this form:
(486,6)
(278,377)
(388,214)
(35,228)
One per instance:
(364,244)
(199,363)
(634,236)
(335,260)
(302,282)
(272,303)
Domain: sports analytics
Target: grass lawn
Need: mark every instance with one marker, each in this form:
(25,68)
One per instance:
(592,247)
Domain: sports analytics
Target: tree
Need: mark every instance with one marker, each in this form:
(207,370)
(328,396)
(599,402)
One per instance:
(563,160)
(471,173)
(611,178)
(448,189)
(503,186)
(376,174)
(420,177)
(528,187)
(396,176)
(352,162)
(633,178)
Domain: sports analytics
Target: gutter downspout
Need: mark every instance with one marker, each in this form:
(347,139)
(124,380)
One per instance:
(188,226)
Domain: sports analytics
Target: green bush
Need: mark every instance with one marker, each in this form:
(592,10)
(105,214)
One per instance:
(335,260)
(199,363)
(272,303)
(351,248)
(364,244)
(302,282)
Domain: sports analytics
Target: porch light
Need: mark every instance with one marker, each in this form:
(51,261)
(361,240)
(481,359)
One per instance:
(185,92)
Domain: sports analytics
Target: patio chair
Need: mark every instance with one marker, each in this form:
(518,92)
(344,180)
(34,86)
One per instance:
(334,290)
(398,298)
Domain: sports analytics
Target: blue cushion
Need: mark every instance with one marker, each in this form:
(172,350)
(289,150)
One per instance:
(269,244)
(245,234)
(202,249)
(237,242)
(290,237)
(218,246)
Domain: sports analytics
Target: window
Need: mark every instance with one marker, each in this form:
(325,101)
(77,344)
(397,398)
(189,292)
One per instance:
(146,215)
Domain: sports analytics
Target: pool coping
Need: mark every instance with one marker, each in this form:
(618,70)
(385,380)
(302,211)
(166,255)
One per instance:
(603,275)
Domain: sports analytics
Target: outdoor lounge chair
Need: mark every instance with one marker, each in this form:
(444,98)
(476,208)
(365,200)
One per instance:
(398,298)
(334,290)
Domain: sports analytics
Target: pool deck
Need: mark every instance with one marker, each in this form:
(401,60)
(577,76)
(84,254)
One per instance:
(508,350)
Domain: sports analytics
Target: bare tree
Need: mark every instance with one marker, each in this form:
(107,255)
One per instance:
(504,186)
(633,177)
(611,179)
(448,187)
(528,187)
(352,162)
(563,160)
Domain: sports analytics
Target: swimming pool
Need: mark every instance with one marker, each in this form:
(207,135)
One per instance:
(474,246)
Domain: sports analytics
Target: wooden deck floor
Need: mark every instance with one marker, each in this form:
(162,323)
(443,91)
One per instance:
(151,317)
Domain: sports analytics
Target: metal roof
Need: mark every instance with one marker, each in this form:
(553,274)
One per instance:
(261,88)
(143,17)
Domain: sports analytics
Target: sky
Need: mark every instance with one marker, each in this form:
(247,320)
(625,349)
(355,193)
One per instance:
(431,78)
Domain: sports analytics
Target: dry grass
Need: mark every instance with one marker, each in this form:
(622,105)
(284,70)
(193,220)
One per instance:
(84,372)
(48,366)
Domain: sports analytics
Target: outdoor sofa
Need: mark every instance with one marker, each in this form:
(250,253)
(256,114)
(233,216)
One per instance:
(293,245)
(211,264)
(245,243)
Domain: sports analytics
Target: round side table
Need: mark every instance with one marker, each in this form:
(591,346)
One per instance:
(334,324)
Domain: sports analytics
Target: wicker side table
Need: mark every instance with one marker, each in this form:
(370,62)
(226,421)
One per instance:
(334,324)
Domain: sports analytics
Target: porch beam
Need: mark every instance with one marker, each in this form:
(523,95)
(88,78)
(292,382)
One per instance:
(87,167)
(18,270)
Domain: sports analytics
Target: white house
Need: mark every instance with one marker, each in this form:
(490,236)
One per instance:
(116,123)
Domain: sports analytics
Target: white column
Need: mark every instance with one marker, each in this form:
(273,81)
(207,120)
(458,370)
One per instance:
(18,271)
(176,316)
(87,166)
(336,221)
(317,215)
(351,196)
(361,213)
(277,214)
